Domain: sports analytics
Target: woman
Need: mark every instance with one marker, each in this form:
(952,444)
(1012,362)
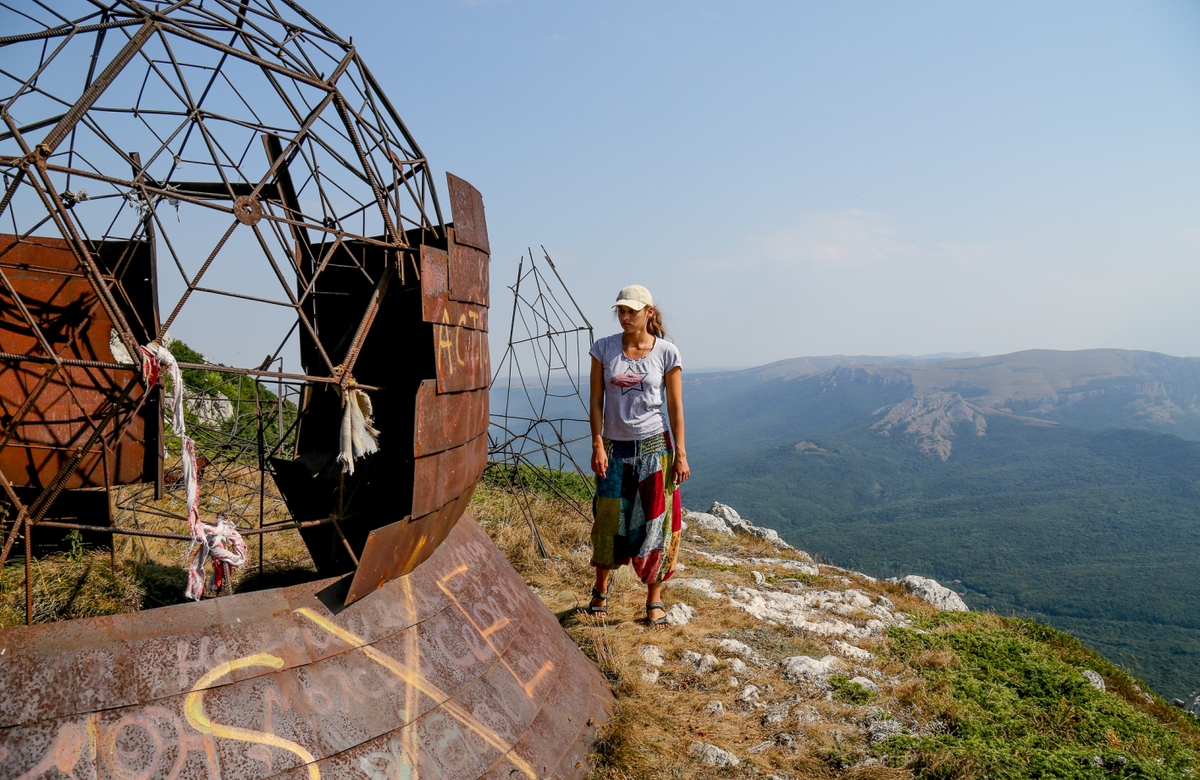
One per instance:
(639,462)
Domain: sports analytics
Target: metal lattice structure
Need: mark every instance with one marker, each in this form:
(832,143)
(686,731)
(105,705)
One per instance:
(230,169)
(542,377)
(233,172)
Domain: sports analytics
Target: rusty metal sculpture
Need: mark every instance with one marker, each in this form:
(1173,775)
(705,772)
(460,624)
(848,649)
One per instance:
(233,163)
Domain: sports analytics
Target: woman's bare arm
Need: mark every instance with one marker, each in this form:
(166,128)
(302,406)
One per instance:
(596,418)
(674,381)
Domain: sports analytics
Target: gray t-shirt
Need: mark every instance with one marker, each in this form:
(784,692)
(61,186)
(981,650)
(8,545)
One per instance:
(634,390)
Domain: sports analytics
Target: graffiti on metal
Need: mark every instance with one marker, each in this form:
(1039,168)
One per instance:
(459,671)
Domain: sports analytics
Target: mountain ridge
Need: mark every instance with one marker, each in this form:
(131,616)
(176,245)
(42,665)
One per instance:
(1075,512)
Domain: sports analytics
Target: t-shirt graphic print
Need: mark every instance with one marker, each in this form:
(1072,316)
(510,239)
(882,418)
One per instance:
(629,382)
(634,389)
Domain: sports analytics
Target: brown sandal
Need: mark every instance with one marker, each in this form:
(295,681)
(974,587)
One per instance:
(660,624)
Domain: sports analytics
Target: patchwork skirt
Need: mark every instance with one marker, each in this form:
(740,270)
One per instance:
(636,511)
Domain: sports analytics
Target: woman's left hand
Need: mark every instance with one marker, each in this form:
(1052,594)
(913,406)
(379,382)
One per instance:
(680,471)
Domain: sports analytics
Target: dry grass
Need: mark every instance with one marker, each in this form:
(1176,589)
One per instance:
(141,573)
(935,659)
(231,490)
(657,720)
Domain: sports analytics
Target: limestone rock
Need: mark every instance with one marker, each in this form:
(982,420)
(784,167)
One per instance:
(775,717)
(651,655)
(759,578)
(749,695)
(703,664)
(800,610)
(1192,703)
(715,707)
(680,614)
(734,647)
(853,653)
(932,591)
(866,682)
(737,665)
(740,526)
(931,419)
(697,583)
(798,667)
(881,730)
(804,565)
(708,522)
(1095,679)
(711,755)
(726,513)
(650,676)
(209,410)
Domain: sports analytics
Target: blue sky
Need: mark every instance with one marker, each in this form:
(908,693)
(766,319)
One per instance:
(793,178)
(815,178)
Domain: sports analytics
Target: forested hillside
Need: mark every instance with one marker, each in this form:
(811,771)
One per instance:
(1094,531)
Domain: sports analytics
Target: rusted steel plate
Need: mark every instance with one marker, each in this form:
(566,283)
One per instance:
(494,606)
(449,419)
(456,657)
(375,620)
(456,747)
(435,274)
(38,749)
(443,476)
(76,666)
(488,702)
(396,549)
(436,303)
(535,655)
(351,700)
(47,278)
(261,624)
(468,272)
(556,727)
(456,313)
(413,696)
(467,206)
(489,680)
(463,362)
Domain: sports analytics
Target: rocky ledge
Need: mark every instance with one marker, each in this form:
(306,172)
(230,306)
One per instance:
(846,621)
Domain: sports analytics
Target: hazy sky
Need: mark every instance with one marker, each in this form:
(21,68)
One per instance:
(802,178)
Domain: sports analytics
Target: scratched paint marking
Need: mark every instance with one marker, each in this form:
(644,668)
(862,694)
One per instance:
(406,674)
(193,709)
(528,686)
(74,743)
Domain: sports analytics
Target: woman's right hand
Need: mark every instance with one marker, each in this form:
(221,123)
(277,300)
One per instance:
(599,460)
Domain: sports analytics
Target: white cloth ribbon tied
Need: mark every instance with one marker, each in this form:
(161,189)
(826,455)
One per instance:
(222,542)
(357,435)
(224,545)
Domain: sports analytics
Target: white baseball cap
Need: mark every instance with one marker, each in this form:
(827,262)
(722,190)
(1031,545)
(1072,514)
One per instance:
(635,297)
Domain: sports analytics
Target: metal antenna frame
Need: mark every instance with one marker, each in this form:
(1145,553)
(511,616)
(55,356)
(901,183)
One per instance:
(545,359)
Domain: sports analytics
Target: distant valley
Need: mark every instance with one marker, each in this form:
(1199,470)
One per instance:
(1059,485)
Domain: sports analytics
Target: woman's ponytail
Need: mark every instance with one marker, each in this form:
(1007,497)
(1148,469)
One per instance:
(655,324)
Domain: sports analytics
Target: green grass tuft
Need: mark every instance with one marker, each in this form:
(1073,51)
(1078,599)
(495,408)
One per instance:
(1016,704)
(844,689)
(539,481)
